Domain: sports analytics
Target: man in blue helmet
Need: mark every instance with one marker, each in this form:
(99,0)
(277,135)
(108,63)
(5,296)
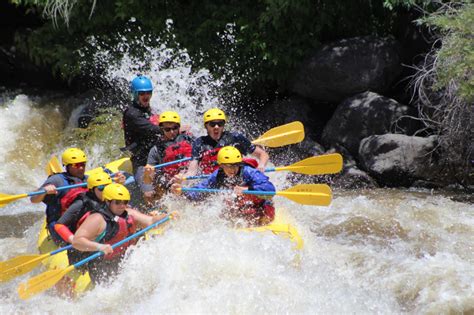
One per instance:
(141,131)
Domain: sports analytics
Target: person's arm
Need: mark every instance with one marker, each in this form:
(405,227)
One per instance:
(89,230)
(144,220)
(140,124)
(262,157)
(195,196)
(72,213)
(50,187)
(50,190)
(192,170)
(69,217)
(254,150)
(257,180)
(149,169)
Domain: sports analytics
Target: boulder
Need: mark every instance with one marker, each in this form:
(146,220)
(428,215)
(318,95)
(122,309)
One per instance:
(296,108)
(347,67)
(398,160)
(364,115)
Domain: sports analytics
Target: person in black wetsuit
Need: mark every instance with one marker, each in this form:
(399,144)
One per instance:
(141,128)
(82,205)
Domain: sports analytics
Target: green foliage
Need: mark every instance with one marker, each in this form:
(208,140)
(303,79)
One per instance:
(456,55)
(269,36)
(445,89)
(103,135)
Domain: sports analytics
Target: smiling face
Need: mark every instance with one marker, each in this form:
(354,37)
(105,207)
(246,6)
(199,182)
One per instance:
(170,130)
(118,206)
(144,98)
(215,128)
(77,169)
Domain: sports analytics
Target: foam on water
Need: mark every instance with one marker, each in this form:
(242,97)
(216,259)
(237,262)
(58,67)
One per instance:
(29,132)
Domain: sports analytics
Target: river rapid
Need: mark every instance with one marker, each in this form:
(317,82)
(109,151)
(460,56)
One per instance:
(389,251)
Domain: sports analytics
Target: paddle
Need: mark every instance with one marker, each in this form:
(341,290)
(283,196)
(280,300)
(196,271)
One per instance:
(49,278)
(53,166)
(306,194)
(123,164)
(6,199)
(23,264)
(282,135)
(315,165)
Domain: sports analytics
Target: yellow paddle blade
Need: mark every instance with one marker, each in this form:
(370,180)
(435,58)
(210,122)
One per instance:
(6,199)
(42,282)
(308,194)
(123,164)
(282,135)
(54,167)
(19,265)
(282,229)
(316,165)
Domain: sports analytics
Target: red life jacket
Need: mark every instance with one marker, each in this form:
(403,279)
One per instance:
(154,119)
(250,162)
(177,150)
(70,196)
(251,208)
(208,163)
(117,228)
(82,219)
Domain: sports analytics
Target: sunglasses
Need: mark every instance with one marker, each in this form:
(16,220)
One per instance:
(144,93)
(78,165)
(101,187)
(230,166)
(168,129)
(120,202)
(216,123)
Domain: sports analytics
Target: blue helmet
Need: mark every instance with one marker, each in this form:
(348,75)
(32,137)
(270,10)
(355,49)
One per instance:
(140,84)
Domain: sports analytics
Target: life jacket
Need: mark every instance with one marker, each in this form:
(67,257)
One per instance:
(117,228)
(250,162)
(90,204)
(155,119)
(252,208)
(70,196)
(208,162)
(176,150)
(54,209)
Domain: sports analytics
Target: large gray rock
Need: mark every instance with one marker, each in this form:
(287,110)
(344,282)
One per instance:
(364,115)
(348,67)
(395,160)
(295,108)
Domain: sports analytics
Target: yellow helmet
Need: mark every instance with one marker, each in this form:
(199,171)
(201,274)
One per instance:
(229,155)
(169,116)
(115,191)
(73,155)
(98,179)
(214,114)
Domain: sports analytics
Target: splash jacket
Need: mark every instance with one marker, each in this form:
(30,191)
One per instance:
(167,151)
(205,149)
(76,213)
(141,132)
(252,208)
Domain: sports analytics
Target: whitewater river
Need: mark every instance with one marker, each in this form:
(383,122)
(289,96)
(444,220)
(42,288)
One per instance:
(377,251)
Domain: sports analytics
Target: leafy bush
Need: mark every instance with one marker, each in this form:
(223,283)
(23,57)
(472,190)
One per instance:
(269,36)
(444,88)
